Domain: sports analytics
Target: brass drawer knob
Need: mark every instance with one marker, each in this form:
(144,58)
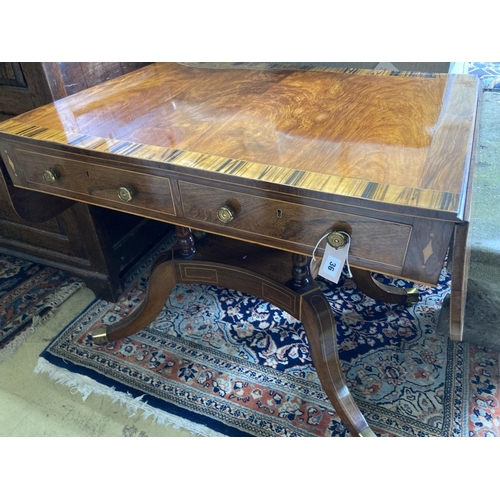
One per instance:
(337,239)
(125,194)
(226,214)
(50,175)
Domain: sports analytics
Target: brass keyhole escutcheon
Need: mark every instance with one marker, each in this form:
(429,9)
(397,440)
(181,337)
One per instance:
(125,194)
(337,239)
(50,175)
(226,214)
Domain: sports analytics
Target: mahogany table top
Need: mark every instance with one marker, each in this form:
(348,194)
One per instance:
(398,139)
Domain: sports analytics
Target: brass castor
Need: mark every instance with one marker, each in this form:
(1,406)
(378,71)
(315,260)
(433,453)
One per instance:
(412,296)
(367,433)
(100,336)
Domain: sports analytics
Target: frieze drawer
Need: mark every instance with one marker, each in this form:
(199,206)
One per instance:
(87,180)
(281,223)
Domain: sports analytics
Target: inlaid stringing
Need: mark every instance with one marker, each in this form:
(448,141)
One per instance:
(355,188)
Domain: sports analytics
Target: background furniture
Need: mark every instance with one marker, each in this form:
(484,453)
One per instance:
(93,243)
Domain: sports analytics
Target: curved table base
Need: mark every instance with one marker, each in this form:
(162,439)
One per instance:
(308,304)
(384,293)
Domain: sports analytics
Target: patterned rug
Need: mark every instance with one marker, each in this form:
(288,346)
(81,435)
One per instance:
(219,362)
(29,293)
(487,72)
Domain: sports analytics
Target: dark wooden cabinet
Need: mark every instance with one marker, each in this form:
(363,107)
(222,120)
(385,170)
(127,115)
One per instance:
(93,243)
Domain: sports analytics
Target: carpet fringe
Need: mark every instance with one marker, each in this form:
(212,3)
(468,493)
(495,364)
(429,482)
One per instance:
(53,302)
(86,386)
(9,350)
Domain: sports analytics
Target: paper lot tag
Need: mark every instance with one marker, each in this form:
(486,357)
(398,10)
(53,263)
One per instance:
(333,262)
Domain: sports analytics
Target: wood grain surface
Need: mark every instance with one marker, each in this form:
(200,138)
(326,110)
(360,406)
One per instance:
(398,139)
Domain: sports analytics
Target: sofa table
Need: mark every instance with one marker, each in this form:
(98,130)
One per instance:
(267,160)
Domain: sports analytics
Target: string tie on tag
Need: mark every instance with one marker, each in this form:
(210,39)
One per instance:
(317,244)
(347,256)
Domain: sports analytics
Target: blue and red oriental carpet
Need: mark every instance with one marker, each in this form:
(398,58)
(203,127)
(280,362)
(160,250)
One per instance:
(29,294)
(220,362)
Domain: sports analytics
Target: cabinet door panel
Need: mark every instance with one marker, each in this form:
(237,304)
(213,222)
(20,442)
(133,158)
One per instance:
(11,75)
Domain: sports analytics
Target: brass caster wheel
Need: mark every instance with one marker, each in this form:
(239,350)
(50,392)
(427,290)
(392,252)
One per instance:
(100,337)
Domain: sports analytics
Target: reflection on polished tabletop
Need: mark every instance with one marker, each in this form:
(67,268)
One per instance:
(407,139)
